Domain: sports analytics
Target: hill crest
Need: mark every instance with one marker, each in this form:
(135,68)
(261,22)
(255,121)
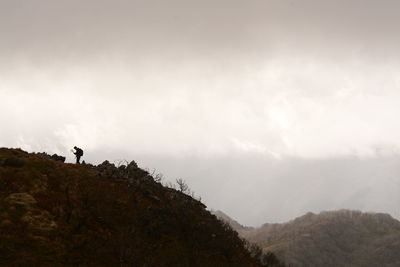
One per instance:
(53,213)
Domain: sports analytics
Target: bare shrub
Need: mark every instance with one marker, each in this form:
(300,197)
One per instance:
(182,186)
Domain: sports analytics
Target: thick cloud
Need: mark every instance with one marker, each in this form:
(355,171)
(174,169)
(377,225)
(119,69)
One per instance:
(310,80)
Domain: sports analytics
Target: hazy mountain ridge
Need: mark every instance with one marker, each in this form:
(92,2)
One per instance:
(57,214)
(334,238)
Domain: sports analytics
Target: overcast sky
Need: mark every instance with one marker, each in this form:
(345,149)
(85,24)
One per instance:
(268,108)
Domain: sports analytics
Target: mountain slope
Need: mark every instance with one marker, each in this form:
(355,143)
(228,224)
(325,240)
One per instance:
(234,224)
(337,238)
(56,214)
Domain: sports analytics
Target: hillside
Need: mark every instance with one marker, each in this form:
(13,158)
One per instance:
(234,224)
(57,214)
(337,238)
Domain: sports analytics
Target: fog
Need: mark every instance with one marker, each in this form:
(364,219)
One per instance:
(268,109)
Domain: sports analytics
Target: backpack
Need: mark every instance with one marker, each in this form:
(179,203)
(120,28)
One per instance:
(79,152)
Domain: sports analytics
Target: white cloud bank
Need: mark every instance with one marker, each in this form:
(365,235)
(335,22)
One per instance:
(207,80)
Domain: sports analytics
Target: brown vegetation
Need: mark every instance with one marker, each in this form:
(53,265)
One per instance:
(56,214)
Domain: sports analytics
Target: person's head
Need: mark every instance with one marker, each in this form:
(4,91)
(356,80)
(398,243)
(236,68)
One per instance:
(75,147)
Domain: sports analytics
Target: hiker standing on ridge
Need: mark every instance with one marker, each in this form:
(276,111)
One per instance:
(78,153)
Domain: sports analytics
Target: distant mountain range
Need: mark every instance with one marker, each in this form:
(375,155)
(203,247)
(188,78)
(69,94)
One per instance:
(334,238)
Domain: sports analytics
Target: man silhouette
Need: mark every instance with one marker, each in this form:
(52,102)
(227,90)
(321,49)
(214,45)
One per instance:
(78,153)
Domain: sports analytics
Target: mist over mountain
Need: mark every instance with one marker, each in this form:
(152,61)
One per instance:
(252,185)
(268,109)
(287,101)
(331,239)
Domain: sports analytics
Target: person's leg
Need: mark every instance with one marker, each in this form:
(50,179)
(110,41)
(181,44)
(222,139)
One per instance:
(77,159)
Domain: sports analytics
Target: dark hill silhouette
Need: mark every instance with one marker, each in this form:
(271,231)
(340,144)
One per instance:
(57,214)
(330,239)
